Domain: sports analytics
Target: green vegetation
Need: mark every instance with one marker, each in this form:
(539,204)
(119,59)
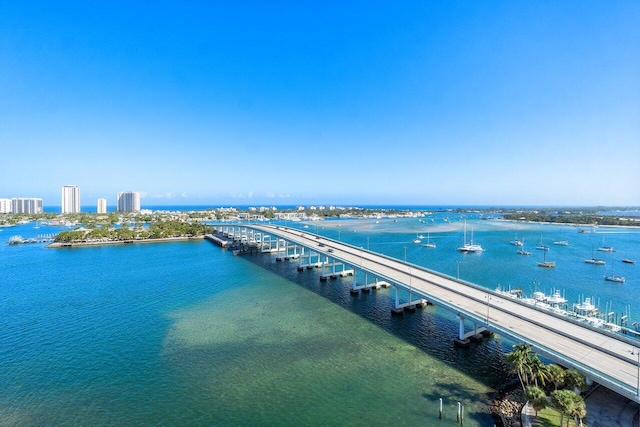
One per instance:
(550,417)
(534,375)
(157,230)
(571,217)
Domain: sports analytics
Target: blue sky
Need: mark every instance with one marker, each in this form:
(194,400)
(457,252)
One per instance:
(333,102)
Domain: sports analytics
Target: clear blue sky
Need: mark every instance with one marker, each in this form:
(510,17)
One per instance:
(333,102)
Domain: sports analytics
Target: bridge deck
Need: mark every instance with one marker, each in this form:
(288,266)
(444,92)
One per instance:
(602,356)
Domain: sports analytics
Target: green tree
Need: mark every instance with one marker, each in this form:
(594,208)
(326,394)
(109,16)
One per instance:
(556,375)
(575,380)
(539,370)
(537,398)
(519,361)
(563,400)
(578,407)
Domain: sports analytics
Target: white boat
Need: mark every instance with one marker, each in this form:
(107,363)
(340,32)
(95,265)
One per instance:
(561,242)
(542,247)
(614,278)
(511,293)
(605,248)
(469,247)
(628,261)
(522,250)
(429,244)
(585,308)
(516,242)
(417,239)
(594,261)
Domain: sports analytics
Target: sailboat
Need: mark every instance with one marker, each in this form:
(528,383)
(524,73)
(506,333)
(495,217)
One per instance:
(469,247)
(605,248)
(561,242)
(515,241)
(522,250)
(417,239)
(429,244)
(545,263)
(613,278)
(542,247)
(593,260)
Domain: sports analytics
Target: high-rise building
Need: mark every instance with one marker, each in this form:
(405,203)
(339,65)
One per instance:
(5,205)
(70,199)
(23,205)
(128,201)
(102,206)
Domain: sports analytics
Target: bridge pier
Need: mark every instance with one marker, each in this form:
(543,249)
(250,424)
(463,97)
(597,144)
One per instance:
(396,310)
(461,340)
(477,336)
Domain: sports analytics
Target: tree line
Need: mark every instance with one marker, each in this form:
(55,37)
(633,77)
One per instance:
(548,385)
(156,230)
(577,219)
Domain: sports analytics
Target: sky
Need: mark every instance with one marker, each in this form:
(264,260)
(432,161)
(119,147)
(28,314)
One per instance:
(322,102)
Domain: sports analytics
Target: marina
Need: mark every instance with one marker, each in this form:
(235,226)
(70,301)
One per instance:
(557,336)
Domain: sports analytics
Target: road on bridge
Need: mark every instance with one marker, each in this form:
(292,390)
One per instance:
(601,356)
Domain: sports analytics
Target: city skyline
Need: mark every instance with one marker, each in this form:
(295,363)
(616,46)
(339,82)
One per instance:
(419,103)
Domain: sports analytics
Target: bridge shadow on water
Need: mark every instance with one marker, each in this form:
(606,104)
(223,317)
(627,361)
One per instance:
(431,329)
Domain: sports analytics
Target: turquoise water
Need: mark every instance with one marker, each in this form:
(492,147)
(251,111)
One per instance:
(186,334)
(499,265)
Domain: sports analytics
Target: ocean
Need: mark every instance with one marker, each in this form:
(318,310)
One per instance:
(184,333)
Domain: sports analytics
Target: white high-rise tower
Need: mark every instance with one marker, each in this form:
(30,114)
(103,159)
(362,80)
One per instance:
(70,199)
(128,201)
(102,206)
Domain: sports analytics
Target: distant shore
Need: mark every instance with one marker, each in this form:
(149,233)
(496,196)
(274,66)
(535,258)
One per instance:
(576,225)
(120,242)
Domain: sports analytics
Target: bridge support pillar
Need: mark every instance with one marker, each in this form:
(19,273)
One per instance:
(477,336)
(461,340)
(396,310)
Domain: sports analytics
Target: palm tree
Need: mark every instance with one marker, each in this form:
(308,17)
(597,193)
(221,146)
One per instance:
(575,380)
(578,407)
(556,375)
(537,397)
(563,402)
(539,370)
(519,361)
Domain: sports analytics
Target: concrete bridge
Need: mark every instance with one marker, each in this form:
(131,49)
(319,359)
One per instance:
(610,359)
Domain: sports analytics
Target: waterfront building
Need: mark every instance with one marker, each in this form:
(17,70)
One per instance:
(128,201)
(102,206)
(26,205)
(70,199)
(5,205)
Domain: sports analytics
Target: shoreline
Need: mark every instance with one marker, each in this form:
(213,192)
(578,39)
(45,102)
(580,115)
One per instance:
(56,245)
(570,224)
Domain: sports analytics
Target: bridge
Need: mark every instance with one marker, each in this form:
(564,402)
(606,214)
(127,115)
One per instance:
(609,359)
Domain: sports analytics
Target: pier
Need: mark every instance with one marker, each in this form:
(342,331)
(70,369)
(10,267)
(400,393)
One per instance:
(41,238)
(601,355)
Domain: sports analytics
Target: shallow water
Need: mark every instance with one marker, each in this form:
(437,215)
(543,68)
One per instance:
(186,334)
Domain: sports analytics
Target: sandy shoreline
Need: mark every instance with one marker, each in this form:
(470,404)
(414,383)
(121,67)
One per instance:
(577,225)
(121,242)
